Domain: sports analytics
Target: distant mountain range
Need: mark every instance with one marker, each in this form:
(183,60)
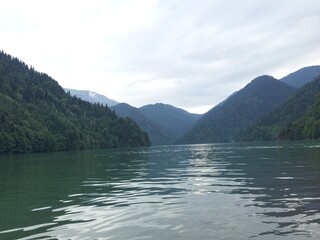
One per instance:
(244,115)
(164,123)
(157,135)
(39,115)
(92,97)
(256,101)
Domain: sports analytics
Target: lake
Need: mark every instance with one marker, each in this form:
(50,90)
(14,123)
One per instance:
(212,191)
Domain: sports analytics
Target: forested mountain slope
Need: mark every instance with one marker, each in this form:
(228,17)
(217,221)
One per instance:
(175,121)
(157,135)
(306,127)
(223,122)
(36,115)
(163,123)
(269,126)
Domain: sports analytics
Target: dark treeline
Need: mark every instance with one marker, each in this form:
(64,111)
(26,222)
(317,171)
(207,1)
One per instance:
(36,115)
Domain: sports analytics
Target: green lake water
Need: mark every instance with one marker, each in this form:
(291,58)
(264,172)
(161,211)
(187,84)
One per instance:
(187,192)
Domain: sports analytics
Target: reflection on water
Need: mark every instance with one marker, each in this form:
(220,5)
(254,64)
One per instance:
(220,191)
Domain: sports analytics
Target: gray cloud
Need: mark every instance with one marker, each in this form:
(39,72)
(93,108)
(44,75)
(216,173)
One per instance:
(211,48)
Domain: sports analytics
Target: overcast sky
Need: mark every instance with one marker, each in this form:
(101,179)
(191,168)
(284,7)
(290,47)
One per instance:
(188,53)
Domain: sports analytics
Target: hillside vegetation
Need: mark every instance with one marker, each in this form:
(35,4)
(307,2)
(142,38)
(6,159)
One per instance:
(223,122)
(306,127)
(296,106)
(36,115)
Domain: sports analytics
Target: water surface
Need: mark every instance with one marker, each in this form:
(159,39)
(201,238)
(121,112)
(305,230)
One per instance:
(214,191)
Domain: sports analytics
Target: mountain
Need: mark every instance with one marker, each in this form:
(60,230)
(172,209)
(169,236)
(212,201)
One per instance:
(223,122)
(175,121)
(37,115)
(302,76)
(92,97)
(163,123)
(157,135)
(270,126)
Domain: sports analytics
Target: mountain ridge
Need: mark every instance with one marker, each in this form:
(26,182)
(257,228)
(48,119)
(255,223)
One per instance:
(62,112)
(157,135)
(238,111)
(91,96)
(168,135)
(164,123)
(268,127)
(302,76)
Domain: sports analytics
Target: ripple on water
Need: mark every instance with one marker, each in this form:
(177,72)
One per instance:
(224,191)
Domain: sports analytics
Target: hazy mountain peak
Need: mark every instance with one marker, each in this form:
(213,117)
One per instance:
(302,76)
(157,105)
(91,96)
(262,78)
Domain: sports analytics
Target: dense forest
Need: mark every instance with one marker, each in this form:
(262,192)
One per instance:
(36,115)
(306,127)
(278,123)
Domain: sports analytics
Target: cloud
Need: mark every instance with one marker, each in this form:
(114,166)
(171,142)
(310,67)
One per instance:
(215,47)
(192,54)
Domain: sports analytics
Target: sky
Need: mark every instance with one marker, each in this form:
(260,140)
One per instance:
(188,53)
